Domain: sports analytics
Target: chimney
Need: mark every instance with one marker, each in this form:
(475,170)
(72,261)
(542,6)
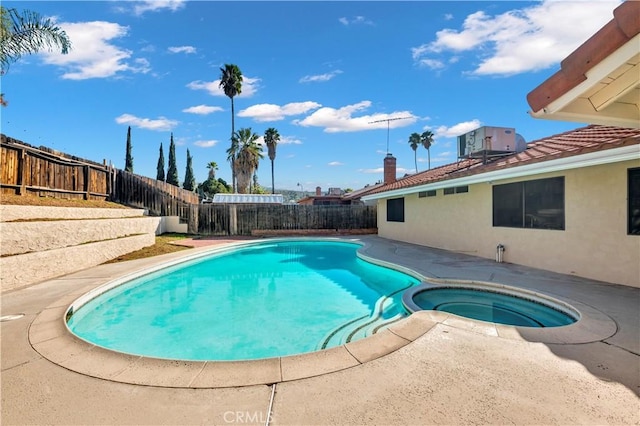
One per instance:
(318,191)
(389,169)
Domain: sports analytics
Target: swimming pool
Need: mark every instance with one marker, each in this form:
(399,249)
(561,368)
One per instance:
(262,300)
(511,307)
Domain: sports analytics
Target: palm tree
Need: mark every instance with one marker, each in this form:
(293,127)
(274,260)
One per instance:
(414,142)
(426,139)
(212,166)
(26,33)
(271,138)
(248,157)
(232,155)
(231,83)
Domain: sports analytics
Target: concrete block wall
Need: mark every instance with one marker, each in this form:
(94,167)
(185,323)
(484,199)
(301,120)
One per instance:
(57,240)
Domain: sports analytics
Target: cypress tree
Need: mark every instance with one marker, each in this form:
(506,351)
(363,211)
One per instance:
(128,162)
(160,168)
(189,180)
(172,172)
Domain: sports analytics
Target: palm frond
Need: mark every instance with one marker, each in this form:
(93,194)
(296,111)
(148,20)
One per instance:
(28,33)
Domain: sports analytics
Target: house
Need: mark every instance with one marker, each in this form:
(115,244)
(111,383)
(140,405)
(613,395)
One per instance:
(568,203)
(598,83)
(334,197)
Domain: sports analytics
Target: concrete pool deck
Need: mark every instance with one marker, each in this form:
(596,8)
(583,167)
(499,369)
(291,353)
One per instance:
(450,371)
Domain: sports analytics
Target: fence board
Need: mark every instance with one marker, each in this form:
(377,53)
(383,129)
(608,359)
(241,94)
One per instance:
(27,170)
(214,218)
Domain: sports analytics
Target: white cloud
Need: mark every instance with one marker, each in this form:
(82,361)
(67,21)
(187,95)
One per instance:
(93,55)
(342,120)
(160,124)
(433,64)
(249,87)
(519,40)
(320,77)
(206,144)
(289,140)
(182,49)
(271,112)
(457,129)
(335,163)
(399,170)
(202,109)
(361,20)
(157,5)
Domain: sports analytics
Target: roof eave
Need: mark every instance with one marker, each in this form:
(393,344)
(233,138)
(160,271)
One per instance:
(576,105)
(614,155)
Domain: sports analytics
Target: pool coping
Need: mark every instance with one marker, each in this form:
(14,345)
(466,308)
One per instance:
(50,337)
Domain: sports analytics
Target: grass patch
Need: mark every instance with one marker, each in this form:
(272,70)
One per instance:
(162,246)
(32,200)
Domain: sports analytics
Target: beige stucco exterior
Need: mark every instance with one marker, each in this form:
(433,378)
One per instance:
(594,243)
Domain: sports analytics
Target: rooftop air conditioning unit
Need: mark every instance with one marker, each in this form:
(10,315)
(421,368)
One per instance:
(487,141)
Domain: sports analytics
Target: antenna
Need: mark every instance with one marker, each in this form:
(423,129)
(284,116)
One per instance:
(388,120)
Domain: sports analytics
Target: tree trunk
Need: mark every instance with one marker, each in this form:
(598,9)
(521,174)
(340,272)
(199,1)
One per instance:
(273,186)
(233,167)
(243,180)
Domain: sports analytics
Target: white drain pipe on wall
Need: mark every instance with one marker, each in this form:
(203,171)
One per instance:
(499,252)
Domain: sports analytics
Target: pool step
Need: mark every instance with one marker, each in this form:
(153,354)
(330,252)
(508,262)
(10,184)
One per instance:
(367,325)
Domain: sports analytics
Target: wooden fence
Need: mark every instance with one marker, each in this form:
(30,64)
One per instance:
(245,219)
(27,170)
(159,198)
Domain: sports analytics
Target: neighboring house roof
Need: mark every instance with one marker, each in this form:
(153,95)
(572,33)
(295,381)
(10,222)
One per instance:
(248,198)
(581,147)
(599,83)
(358,193)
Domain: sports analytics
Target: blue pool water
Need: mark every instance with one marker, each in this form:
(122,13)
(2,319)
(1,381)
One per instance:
(490,306)
(261,301)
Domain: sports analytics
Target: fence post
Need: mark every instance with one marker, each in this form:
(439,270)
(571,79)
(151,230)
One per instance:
(233,219)
(192,227)
(86,182)
(22,173)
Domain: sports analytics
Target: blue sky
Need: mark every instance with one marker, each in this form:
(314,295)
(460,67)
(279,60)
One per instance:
(319,72)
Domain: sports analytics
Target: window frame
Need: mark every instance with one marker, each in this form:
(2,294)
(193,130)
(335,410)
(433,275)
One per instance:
(395,209)
(530,204)
(427,194)
(633,201)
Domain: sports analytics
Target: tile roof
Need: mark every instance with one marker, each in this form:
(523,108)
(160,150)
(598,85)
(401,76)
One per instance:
(580,141)
(574,68)
(361,192)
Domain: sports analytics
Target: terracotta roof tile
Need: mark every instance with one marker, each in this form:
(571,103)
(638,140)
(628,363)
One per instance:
(623,27)
(576,142)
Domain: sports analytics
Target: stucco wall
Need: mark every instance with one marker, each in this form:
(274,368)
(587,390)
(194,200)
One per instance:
(24,237)
(26,269)
(11,212)
(594,243)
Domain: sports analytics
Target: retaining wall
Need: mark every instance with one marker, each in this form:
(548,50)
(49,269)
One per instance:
(55,241)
